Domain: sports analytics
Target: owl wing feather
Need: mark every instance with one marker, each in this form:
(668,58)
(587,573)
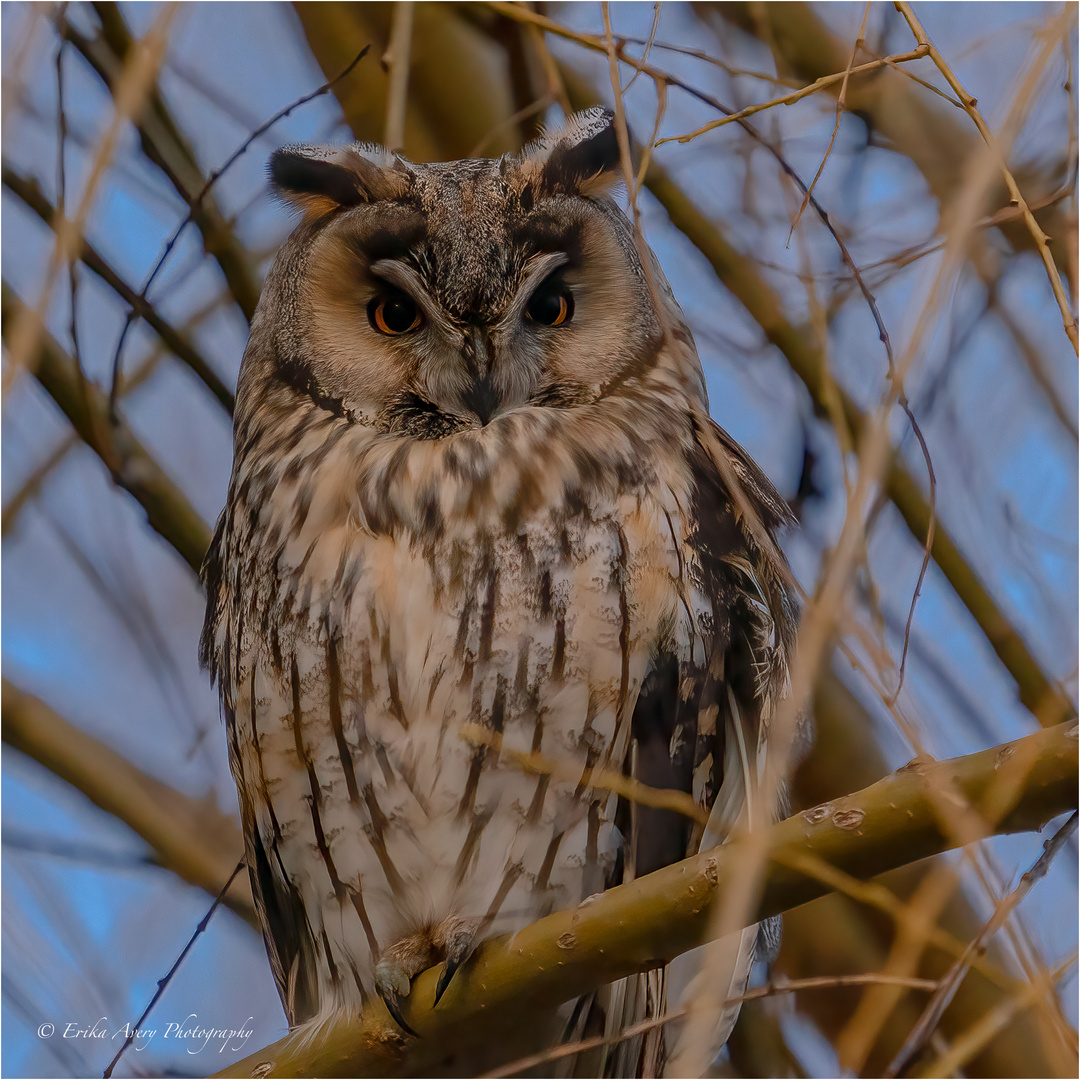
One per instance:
(737,513)
(702,728)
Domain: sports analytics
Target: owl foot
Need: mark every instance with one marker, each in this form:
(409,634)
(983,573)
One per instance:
(451,939)
(459,944)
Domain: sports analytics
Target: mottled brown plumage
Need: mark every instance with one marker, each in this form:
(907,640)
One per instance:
(477,505)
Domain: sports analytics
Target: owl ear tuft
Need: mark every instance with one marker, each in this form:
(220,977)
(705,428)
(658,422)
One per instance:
(318,179)
(582,158)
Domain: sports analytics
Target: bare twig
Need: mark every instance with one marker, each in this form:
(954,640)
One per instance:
(29,191)
(190,837)
(770,989)
(815,87)
(967,1045)
(946,989)
(130,465)
(841,96)
(130,93)
(196,205)
(679,802)
(163,984)
(1042,244)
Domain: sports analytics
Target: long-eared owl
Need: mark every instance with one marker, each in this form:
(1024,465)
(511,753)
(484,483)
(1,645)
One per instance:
(478,515)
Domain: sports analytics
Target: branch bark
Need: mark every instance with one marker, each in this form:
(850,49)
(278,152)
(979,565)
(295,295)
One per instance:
(191,837)
(649,921)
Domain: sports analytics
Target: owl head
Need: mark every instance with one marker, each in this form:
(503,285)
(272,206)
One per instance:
(425,299)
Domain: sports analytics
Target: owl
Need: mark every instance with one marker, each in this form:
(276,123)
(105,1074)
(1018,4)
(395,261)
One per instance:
(479,517)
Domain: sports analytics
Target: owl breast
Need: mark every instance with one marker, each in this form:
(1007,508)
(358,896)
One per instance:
(440,665)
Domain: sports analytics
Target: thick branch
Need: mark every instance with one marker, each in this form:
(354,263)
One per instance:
(130,464)
(191,837)
(636,926)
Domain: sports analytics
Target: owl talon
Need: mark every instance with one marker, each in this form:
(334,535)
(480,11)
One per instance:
(459,947)
(392,985)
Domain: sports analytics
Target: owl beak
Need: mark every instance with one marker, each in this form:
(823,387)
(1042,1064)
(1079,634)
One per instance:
(481,398)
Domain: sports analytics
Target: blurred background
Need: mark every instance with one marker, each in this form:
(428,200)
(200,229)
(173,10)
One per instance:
(119,813)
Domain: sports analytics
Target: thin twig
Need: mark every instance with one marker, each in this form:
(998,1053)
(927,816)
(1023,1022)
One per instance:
(190,837)
(398,58)
(167,508)
(1042,241)
(61,202)
(130,93)
(163,984)
(841,97)
(950,982)
(797,95)
(512,121)
(177,342)
(701,54)
(649,41)
(769,989)
(965,1046)
(626,787)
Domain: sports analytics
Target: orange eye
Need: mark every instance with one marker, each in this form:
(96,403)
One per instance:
(551,305)
(393,313)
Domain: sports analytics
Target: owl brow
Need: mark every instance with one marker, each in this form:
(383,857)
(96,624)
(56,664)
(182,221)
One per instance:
(385,241)
(541,233)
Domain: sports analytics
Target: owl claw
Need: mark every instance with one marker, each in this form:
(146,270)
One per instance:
(392,985)
(459,947)
(393,1007)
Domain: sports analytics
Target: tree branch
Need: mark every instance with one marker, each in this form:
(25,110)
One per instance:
(191,837)
(649,921)
(29,191)
(132,467)
(165,145)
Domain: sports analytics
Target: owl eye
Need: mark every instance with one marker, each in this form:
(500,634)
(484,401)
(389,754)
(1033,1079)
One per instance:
(552,304)
(393,313)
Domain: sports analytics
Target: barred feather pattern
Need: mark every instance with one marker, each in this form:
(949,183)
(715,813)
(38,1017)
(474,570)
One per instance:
(400,604)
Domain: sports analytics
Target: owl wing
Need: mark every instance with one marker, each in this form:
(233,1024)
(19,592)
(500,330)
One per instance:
(702,727)
(287,933)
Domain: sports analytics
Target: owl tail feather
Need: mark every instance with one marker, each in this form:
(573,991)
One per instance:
(713,978)
(603,1017)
